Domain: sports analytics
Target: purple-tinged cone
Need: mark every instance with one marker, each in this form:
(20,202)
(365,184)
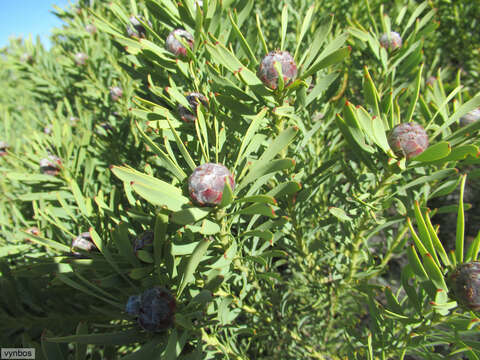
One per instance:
(135,28)
(408,139)
(154,309)
(116,92)
(84,242)
(207,182)
(269,75)
(144,241)
(391,41)
(80,58)
(464,283)
(193,98)
(133,305)
(175,46)
(50,165)
(26,58)
(3,148)
(470,118)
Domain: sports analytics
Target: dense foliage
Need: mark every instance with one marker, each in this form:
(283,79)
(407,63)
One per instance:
(310,234)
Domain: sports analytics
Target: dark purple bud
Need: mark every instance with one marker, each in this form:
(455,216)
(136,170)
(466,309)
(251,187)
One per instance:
(470,118)
(116,93)
(206,183)
(391,41)
(133,305)
(175,46)
(81,58)
(3,148)
(50,165)
(84,242)
(26,58)
(135,28)
(464,284)
(408,139)
(269,75)
(193,98)
(144,241)
(157,309)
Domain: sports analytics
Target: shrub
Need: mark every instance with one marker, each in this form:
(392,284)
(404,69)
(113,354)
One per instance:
(282,218)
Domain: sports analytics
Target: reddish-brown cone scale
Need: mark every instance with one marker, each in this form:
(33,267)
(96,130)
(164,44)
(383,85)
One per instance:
(269,75)
(464,283)
(408,139)
(207,182)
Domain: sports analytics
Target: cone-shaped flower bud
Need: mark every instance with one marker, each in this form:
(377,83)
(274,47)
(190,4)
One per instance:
(175,46)
(50,165)
(144,242)
(269,75)
(26,58)
(81,58)
(135,28)
(193,98)
(133,305)
(408,139)
(154,309)
(470,118)
(90,28)
(84,242)
(3,148)
(464,283)
(116,92)
(207,182)
(391,41)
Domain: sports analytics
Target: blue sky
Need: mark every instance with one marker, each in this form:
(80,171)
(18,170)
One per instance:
(24,17)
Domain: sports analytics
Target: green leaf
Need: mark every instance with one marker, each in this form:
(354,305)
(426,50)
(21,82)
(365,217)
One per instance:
(227,195)
(260,209)
(434,152)
(340,214)
(332,59)
(81,349)
(264,199)
(436,241)
(116,338)
(243,42)
(473,250)
(415,263)
(434,273)
(413,103)
(418,243)
(190,215)
(169,163)
(424,233)
(195,259)
(460,224)
(305,25)
(153,190)
(266,235)
(263,166)
(284,25)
